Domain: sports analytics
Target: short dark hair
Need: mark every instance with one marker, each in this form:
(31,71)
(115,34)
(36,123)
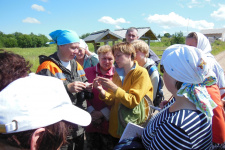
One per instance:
(12,67)
(52,138)
(131,29)
(192,35)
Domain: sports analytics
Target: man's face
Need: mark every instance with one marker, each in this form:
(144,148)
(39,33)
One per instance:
(131,36)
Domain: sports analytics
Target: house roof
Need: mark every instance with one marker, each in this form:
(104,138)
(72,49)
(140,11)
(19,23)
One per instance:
(142,33)
(213,31)
(101,35)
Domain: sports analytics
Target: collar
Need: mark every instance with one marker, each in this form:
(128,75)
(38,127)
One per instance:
(110,72)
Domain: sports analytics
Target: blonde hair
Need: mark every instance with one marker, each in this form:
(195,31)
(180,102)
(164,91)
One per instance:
(141,46)
(125,48)
(104,49)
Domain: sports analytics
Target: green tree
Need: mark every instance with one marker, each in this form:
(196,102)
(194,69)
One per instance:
(24,41)
(34,39)
(17,34)
(167,35)
(10,42)
(1,39)
(178,38)
(43,40)
(84,35)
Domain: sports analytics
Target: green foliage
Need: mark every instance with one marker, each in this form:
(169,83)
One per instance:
(217,47)
(167,35)
(22,40)
(84,35)
(25,41)
(10,42)
(166,41)
(178,38)
(1,42)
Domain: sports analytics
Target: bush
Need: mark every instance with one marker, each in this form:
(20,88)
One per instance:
(178,38)
(166,41)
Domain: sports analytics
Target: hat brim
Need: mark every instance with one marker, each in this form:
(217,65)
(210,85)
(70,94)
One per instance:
(75,115)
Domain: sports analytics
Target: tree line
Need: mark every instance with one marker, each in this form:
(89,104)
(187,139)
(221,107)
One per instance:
(31,40)
(177,38)
(18,39)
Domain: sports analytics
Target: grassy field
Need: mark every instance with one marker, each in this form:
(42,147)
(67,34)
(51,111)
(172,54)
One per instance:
(31,54)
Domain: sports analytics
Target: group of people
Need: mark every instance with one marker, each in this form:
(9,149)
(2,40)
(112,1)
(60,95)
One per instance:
(76,93)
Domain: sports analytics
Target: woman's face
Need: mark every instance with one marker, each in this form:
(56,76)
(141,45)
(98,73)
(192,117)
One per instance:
(106,60)
(140,56)
(122,59)
(80,54)
(67,52)
(191,42)
(169,83)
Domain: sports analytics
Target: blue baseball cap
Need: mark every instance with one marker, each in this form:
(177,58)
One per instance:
(62,37)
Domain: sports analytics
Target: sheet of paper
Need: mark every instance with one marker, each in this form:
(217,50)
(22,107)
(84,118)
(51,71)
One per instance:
(131,130)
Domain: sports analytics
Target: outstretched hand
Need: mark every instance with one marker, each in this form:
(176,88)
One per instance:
(107,83)
(76,86)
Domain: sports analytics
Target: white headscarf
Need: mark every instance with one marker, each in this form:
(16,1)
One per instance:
(190,65)
(182,64)
(204,44)
(83,44)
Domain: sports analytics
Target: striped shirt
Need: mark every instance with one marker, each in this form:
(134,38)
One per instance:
(183,129)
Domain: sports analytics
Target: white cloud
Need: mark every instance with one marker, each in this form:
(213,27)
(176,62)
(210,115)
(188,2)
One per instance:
(31,20)
(37,7)
(118,27)
(109,20)
(193,3)
(173,20)
(220,13)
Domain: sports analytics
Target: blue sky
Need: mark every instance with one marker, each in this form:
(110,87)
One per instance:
(87,16)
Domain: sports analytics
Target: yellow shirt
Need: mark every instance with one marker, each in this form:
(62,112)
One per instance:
(136,85)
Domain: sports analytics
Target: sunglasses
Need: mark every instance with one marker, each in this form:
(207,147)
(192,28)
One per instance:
(161,69)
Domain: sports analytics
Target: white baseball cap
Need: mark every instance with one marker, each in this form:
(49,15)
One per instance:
(37,101)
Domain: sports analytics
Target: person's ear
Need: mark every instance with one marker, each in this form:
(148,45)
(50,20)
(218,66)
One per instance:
(35,136)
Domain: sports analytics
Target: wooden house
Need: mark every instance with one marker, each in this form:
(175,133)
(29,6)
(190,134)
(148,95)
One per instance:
(102,36)
(214,34)
(144,33)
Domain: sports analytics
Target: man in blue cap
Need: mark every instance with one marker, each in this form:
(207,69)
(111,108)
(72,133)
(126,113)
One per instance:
(62,65)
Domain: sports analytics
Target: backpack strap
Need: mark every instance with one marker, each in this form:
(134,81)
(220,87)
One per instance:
(152,69)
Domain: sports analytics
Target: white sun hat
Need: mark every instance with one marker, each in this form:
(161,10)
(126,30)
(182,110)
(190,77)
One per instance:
(37,101)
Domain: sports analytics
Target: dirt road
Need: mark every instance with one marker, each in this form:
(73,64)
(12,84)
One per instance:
(220,58)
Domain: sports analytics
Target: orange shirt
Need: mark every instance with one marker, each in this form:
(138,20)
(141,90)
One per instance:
(218,120)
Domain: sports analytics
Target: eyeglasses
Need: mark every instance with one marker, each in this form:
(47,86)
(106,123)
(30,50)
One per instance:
(161,69)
